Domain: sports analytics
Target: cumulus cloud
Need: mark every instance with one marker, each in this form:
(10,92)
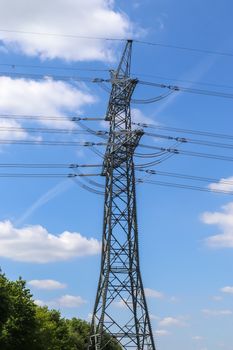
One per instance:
(35,244)
(46,284)
(92,18)
(223,220)
(172,321)
(225,184)
(46,97)
(161,332)
(217,298)
(151,293)
(197,338)
(65,301)
(209,312)
(228,290)
(139,117)
(12,130)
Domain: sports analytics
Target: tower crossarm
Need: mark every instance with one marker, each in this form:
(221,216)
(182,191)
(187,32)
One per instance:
(124,145)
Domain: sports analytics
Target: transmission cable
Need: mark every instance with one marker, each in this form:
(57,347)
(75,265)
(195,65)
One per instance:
(16,65)
(186,177)
(184,48)
(177,88)
(192,141)
(189,187)
(190,153)
(43,117)
(150,43)
(43,76)
(185,131)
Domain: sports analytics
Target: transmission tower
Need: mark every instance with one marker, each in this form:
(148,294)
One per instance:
(120,311)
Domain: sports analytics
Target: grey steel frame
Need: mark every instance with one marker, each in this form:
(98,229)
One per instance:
(120,308)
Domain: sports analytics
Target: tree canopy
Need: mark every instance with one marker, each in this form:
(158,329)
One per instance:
(26,326)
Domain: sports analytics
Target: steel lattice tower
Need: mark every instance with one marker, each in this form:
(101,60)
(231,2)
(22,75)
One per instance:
(120,307)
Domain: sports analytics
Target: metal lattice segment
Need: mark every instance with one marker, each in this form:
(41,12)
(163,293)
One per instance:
(120,309)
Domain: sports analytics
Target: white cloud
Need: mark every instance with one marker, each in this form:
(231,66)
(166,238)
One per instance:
(153,317)
(217,298)
(124,304)
(151,293)
(70,301)
(209,312)
(225,184)
(46,284)
(161,332)
(46,97)
(139,117)
(224,220)
(36,244)
(95,18)
(197,338)
(39,302)
(12,130)
(227,289)
(174,299)
(171,321)
(65,301)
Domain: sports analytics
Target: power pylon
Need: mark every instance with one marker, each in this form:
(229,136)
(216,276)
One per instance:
(120,308)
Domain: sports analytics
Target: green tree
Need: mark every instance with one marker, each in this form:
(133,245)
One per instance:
(26,326)
(19,316)
(52,331)
(5,304)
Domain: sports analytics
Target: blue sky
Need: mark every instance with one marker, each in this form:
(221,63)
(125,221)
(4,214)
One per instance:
(50,229)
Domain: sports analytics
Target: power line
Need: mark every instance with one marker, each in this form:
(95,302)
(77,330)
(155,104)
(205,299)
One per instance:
(43,117)
(182,186)
(184,80)
(53,130)
(32,175)
(150,43)
(177,88)
(186,131)
(55,77)
(185,48)
(187,177)
(16,65)
(51,143)
(48,165)
(61,35)
(192,141)
(189,153)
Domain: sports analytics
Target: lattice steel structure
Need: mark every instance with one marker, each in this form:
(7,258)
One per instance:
(120,308)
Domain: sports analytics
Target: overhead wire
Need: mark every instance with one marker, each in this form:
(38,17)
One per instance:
(17,65)
(185,131)
(184,48)
(49,165)
(190,153)
(176,88)
(49,118)
(61,35)
(51,143)
(182,186)
(187,177)
(144,42)
(191,141)
(183,80)
(51,76)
